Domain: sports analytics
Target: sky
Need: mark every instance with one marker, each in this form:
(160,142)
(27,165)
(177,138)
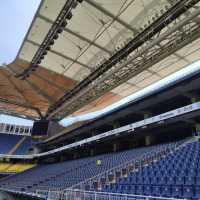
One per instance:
(15,19)
(15,120)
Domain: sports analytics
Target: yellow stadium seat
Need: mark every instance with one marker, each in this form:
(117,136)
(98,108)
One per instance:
(18,167)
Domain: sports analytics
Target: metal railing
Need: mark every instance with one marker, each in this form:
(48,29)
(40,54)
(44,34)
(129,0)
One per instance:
(92,195)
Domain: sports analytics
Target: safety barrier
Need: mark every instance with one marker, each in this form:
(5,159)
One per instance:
(92,195)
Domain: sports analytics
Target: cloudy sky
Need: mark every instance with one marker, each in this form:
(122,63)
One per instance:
(15,19)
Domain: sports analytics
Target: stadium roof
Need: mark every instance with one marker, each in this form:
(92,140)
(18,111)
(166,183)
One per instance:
(108,49)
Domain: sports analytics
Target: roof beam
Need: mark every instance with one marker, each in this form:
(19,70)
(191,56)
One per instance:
(77,35)
(22,94)
(61,55)
(35,88)
(44,79)
(16,88)
(40,92)
(106,12)
(6,101)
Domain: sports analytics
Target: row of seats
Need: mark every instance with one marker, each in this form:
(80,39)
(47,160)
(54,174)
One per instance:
(176,175)
(68,173)
(182,191)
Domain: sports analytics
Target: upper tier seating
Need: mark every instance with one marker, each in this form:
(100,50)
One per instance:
(23,148)
(8,142)
(176,175)
(68,173)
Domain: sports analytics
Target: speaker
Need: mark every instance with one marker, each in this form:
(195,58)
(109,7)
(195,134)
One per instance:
(40,128)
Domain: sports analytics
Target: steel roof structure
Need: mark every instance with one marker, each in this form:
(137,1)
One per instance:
(79,56)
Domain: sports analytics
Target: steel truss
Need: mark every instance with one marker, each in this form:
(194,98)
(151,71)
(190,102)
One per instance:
(22,105)
(163,37)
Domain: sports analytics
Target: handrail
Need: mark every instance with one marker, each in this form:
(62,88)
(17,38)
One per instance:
(81,195)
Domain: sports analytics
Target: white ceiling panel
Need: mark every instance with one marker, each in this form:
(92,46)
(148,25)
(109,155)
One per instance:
(51,8)
(135,6)
(189,48)
(173,68)
(54,62)
(112,6)
(77,72)
(121,88)
(87,21)
(149,80)
(28,51)
(109,34)
(89,55)
(39,30)
(194,56)
(164,63)
(129,91)
(138,78)
(69,45)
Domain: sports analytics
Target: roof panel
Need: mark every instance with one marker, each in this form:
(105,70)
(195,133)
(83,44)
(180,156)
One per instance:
(149,80)
(89,55)
(189,48)
(51,9)
(110,33)
(113,6)
(69,45)
(121,88)
(28,51)
(39,30)
(54,62)
(172,68)
(77,72)
(141,76)
(87,21)
(194,56)
(164,63)
(129,91)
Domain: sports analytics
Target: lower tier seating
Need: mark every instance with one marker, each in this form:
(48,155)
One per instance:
(176,175)
(68,173)
(14,168)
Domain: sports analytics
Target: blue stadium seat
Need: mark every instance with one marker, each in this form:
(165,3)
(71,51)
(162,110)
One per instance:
(156,190)
(188,191)
(147,189)
(197,191)
(189,180)
(166,191)
(139,189)
(177,191)
(179,180)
